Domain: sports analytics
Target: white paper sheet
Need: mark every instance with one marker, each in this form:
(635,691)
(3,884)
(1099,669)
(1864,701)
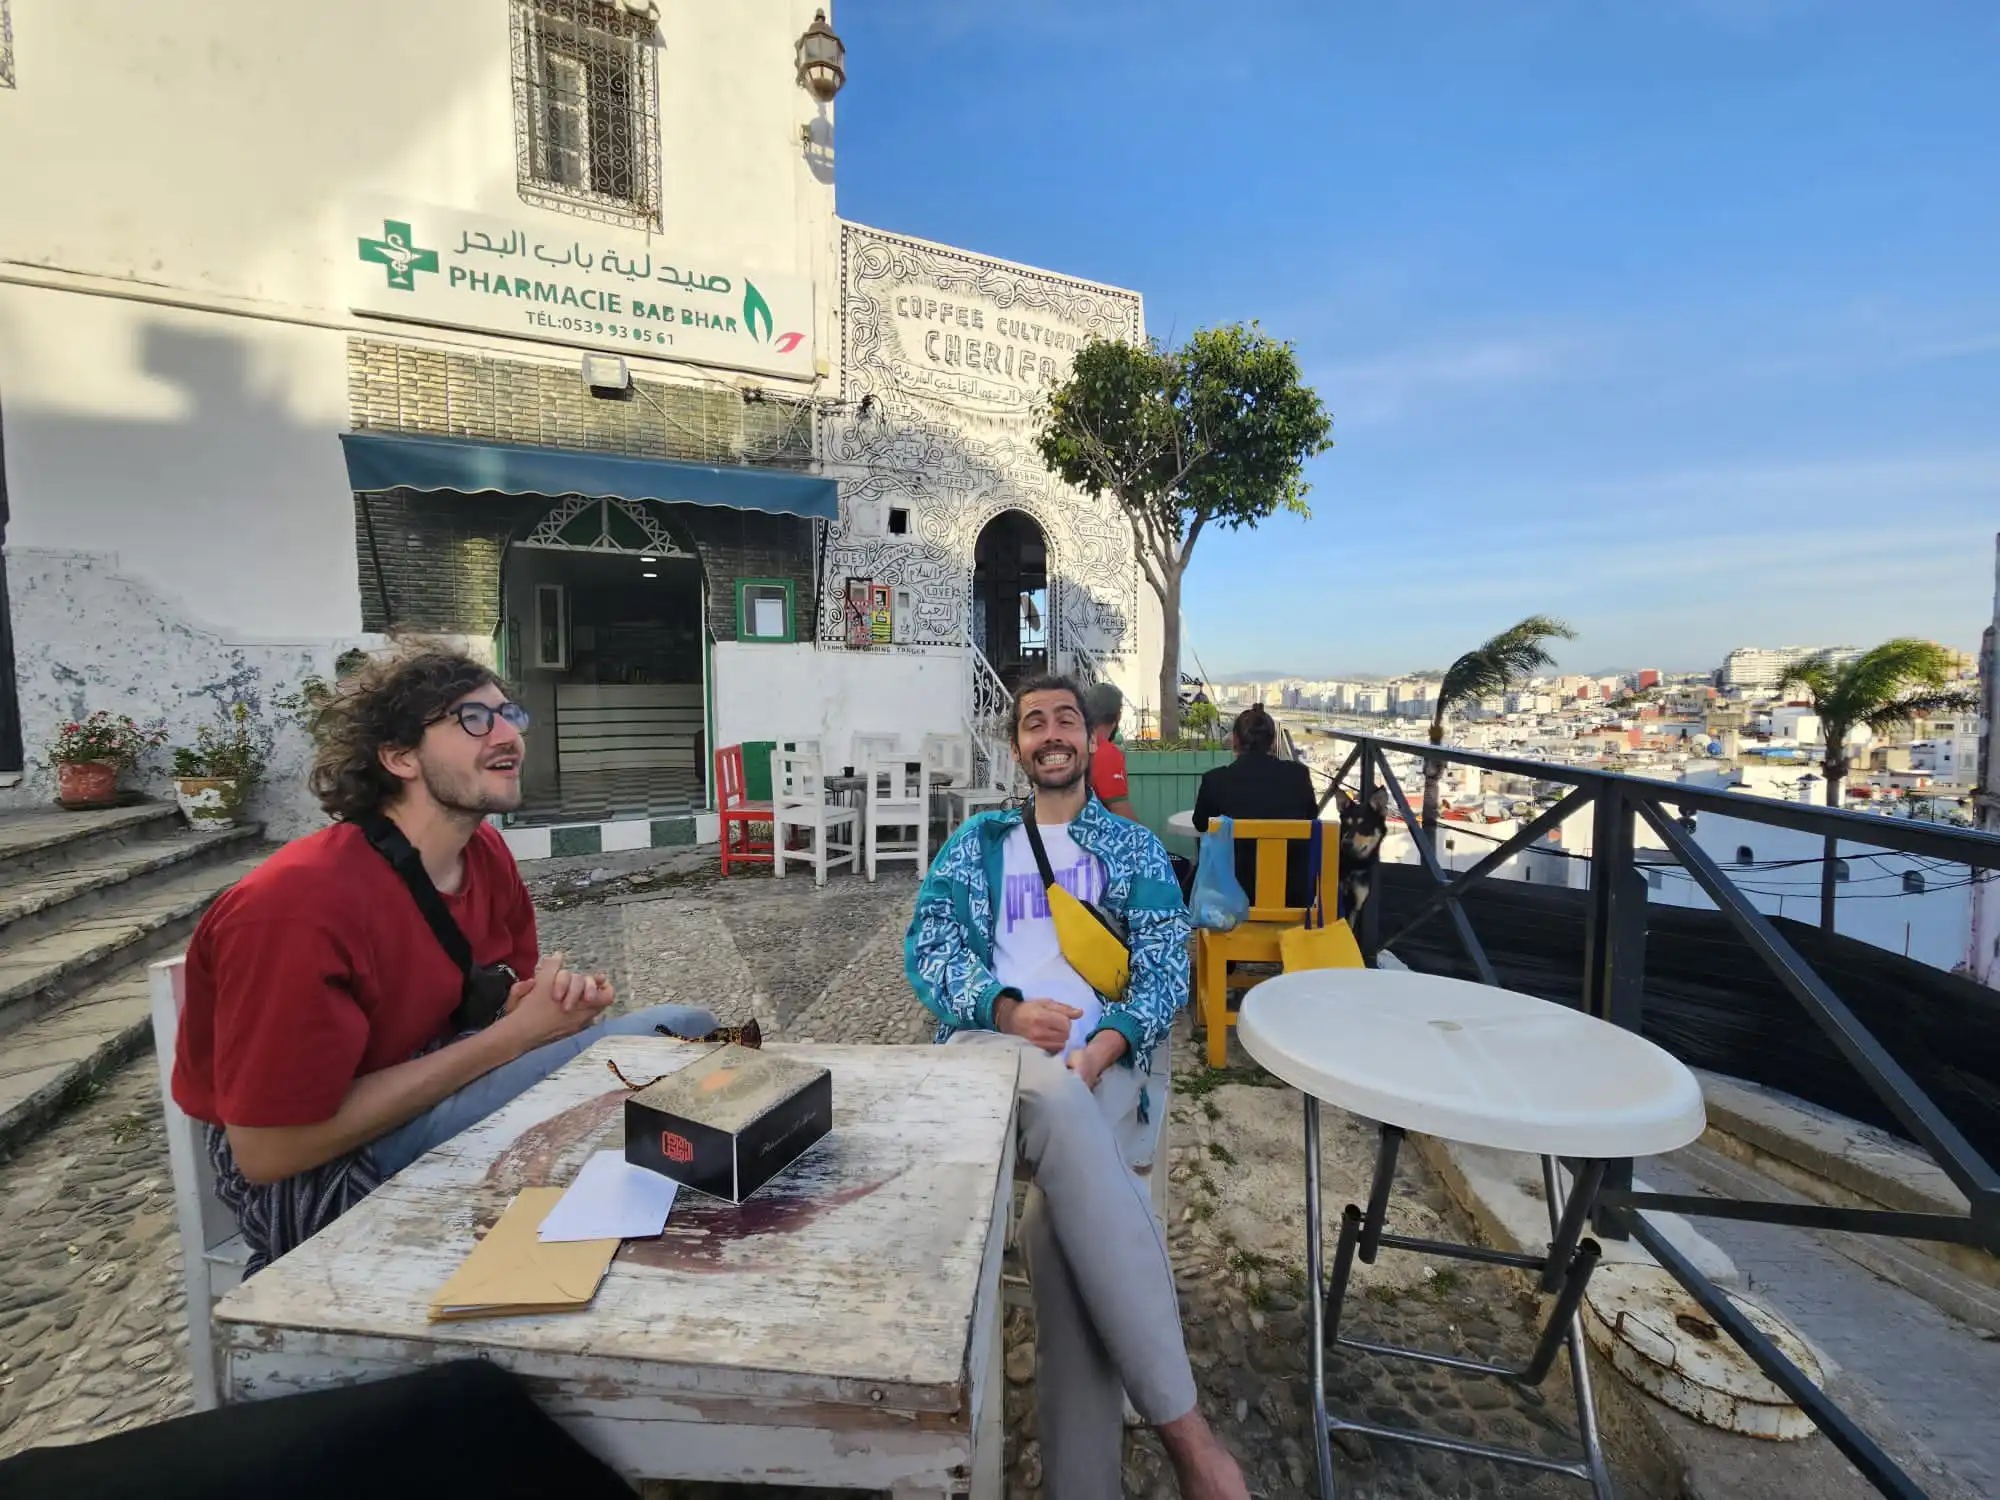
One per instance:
(611,1199)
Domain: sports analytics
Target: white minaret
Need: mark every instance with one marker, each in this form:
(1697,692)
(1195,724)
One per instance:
(1983,954)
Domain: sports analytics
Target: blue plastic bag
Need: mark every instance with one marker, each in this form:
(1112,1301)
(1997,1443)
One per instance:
(1218,902)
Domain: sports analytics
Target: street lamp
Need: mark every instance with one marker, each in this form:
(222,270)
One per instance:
(822,60)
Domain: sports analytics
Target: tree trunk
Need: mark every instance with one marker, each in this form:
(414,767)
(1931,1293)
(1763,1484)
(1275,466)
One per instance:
(1433,785)
(1170,657)
(1836,773)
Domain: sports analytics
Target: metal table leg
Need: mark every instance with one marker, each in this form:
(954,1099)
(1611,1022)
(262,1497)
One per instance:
(1565,1270)
(1322,1438)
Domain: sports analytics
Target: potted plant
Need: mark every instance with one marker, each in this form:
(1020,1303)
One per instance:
(89,754)
(213,776)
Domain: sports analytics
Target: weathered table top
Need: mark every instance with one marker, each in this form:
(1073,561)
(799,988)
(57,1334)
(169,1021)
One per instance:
(859,1276)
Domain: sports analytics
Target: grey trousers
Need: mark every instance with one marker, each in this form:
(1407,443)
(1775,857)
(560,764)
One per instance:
(1107,1320)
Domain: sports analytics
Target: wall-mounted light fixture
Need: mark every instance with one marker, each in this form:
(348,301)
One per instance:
(606,375)
(822,60)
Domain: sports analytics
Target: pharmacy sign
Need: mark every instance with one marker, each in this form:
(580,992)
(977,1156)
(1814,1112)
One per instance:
(580,285)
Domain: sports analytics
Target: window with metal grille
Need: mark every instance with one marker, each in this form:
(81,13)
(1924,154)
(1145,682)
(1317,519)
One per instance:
(587,108)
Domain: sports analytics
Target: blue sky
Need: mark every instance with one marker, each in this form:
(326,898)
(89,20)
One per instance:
(1680,318)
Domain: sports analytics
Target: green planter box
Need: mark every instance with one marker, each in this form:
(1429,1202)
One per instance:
(1164,782)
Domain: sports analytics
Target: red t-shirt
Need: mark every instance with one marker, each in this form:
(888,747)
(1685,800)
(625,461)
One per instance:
(317,967)
(1107,771)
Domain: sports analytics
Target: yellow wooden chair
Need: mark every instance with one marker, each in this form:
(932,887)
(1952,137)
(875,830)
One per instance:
(1257,940)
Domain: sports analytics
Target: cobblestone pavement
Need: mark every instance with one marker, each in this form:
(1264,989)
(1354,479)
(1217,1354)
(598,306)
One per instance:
(91,1311)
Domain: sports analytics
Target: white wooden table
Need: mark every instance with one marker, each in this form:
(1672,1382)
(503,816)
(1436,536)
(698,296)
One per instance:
(840,1329)
(1182,823)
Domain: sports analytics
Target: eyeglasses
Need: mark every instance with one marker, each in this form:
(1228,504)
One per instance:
(476,719)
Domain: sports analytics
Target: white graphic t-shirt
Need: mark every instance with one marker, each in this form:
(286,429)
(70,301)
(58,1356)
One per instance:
(1026,955)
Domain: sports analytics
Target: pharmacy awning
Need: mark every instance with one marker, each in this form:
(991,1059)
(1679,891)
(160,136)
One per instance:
(399,461)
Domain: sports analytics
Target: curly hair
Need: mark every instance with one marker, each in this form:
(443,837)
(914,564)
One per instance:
(386,705)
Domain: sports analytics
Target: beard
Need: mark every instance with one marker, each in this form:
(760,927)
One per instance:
(465,791)
(1059,779)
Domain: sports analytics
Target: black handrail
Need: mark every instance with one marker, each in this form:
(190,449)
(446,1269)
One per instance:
(1614,990)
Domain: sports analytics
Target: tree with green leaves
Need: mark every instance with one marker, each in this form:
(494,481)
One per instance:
(1214,433)
(1495,666)
(1884,689)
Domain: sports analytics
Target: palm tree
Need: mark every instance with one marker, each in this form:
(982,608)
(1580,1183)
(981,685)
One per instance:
(1500,664)
(1885,689)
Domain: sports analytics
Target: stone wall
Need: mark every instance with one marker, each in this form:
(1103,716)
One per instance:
(88,636)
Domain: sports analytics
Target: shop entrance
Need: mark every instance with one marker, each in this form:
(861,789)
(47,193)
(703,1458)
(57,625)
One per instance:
(1011,596)
(604,637)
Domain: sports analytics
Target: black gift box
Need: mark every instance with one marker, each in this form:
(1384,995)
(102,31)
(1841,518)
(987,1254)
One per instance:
(728,1124)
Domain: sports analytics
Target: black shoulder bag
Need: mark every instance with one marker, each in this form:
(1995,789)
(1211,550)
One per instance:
(484,987)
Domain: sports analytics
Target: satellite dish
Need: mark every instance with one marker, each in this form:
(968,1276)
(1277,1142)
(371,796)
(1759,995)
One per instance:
(1715,747)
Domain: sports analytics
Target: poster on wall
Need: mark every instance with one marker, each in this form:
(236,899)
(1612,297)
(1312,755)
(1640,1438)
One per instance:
(881,621)
(859,632)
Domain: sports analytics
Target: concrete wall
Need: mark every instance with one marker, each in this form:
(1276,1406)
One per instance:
(207,145)
(91,636)
(202,448)
(777,692)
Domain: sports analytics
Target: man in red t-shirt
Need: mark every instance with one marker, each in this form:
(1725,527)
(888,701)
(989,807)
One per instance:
(1104,705)
(317,1039)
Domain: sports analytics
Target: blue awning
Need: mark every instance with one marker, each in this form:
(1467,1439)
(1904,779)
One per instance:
(395,461)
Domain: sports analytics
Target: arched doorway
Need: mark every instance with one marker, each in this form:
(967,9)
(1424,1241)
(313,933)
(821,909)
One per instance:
(1012,604)
(603,605)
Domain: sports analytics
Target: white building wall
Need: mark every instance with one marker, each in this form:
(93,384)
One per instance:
(173,321)
(767,692)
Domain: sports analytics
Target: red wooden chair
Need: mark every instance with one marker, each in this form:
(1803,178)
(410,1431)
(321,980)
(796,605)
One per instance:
(736,809)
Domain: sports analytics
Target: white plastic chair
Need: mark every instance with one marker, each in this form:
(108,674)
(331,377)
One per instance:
(982,792)
(799,800)
(947,767)
(898,799)
(212,1250)
(865,750)
(948,758)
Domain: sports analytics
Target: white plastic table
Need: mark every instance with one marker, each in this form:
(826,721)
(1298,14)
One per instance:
(1182,823)
(1488,1067)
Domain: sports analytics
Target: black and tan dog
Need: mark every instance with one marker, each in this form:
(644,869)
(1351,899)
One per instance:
(1362,829)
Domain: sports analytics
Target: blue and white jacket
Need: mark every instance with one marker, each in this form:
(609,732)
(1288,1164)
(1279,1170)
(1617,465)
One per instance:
(948,954)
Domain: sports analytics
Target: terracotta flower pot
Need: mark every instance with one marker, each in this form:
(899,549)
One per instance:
(209,801)
(89,783)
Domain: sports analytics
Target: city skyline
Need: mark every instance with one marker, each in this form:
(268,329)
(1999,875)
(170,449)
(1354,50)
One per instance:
(1675,321)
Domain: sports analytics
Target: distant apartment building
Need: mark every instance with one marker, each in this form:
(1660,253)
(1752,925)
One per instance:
(1761,668)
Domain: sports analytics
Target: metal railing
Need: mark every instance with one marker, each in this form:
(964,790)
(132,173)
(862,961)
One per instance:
(1614,959)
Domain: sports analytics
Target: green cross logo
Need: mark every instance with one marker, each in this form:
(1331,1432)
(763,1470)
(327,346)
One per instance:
(396,251)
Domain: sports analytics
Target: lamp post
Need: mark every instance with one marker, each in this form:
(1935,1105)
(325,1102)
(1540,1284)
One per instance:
(822,60)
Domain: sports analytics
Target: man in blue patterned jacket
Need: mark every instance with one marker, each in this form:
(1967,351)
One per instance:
(982,954)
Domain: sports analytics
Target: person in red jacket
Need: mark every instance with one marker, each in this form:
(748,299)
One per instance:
(1104,705)
(323,1040)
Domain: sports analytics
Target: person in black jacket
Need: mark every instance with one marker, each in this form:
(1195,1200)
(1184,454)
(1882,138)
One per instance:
(1257,784)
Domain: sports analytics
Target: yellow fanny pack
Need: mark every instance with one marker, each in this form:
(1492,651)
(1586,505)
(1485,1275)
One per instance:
(1092,940)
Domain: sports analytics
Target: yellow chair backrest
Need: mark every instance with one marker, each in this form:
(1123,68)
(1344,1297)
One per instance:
(1273,837)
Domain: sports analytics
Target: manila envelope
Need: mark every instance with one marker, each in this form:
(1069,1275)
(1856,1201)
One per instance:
(511,1271)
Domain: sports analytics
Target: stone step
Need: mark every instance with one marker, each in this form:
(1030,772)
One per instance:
(53,1060)
(43,970)
(51,838)
(43,900)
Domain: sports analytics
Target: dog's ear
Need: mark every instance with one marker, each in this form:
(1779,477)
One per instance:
(1378,801)
(1345,803)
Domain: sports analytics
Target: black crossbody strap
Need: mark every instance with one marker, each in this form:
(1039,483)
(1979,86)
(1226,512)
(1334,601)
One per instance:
(1035,843)
(388,841)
